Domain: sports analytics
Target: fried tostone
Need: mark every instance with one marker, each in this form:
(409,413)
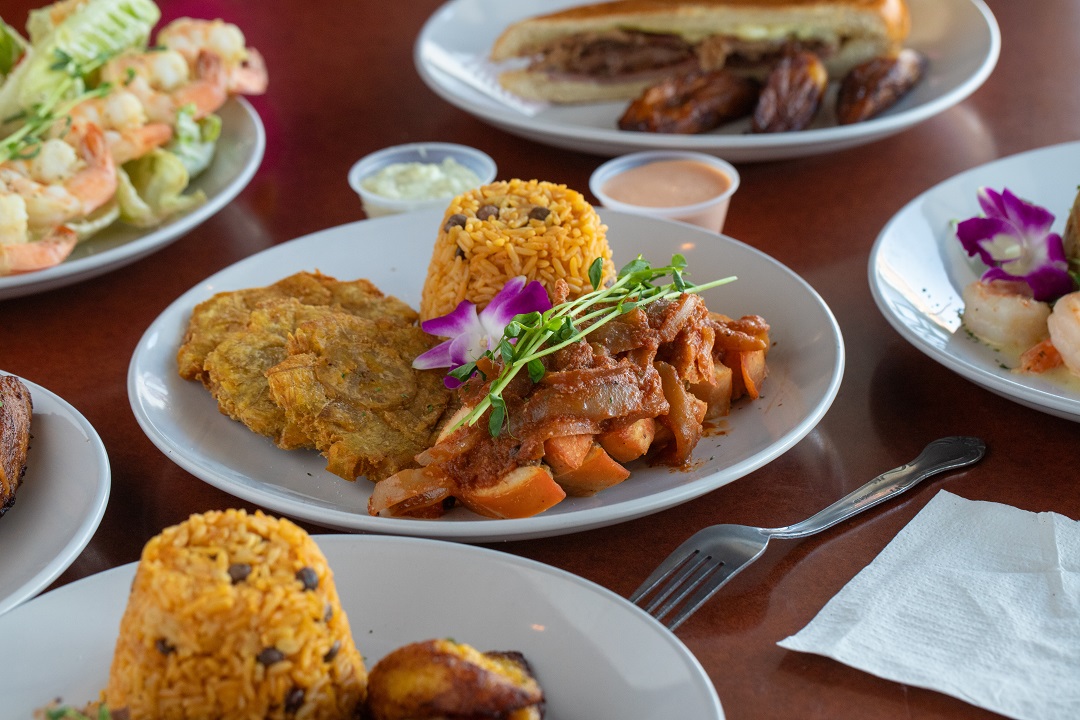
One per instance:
(228,312)
(349,384)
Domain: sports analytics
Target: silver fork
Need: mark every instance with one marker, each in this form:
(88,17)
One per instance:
(710,557)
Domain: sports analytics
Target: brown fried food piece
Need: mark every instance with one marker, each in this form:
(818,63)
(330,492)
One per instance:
(446,679)
(235,370)
(16,409)
(349,384)
(227,312)
(792,94)
(874,86)
(695,102)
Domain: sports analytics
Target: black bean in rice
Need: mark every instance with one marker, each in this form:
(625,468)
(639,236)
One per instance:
(235,615)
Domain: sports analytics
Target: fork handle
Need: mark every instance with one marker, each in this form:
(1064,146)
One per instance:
(940,455)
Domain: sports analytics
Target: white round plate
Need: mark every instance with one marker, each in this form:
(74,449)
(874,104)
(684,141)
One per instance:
(59,504)
(960,38)
(595,655)
(917,270)
(182,419)
(237,157)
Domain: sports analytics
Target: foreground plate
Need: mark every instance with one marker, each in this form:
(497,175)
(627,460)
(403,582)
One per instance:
(239,152)
(60,503)
(596,655)
(960,38)
(918,269)
(182,419)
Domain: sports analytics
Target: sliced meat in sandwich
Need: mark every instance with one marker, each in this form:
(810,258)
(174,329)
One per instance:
(614,50)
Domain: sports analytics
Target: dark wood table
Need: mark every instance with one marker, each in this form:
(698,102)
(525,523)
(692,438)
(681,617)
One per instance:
(343,85)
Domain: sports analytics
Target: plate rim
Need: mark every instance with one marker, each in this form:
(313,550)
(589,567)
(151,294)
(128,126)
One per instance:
(91,520)
(481,530)
(347,545)
(743,148)
(1005,386)
(91,266)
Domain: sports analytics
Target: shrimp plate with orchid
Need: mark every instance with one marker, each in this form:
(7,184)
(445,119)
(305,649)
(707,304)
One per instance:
(980,273)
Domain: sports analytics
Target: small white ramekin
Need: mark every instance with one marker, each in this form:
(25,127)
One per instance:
(423,152)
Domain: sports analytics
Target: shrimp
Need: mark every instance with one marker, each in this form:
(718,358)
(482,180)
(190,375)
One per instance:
(57,186)
(1064,325)
(31,255)
(244,66)
(122,117)
(163,83)
(998,313)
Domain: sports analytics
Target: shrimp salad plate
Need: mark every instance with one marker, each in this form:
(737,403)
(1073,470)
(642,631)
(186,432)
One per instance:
(918,269)
(596,655)
(805,367)
(960,38)
(237,156)
(58,505)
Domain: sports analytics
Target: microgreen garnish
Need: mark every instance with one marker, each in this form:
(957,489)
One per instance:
(528,338)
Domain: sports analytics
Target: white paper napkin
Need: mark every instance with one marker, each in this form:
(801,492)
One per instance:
(478,73)
(974,599)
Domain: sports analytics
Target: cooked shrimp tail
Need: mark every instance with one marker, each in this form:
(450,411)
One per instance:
(1064,326)
(40,254)
(250,77)
(999,314)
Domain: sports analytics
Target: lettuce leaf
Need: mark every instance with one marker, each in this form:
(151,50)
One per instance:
(150,189)
(57,65)
(12,47)
(194,140)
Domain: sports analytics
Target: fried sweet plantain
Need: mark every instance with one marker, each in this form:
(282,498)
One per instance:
(447,679)
(16,409)
(349,384)
(792,94)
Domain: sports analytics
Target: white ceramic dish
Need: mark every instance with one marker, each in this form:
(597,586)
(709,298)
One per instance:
(182,419)
(239,152)
(596,655)
(917,270)
(960,38)
(60,503)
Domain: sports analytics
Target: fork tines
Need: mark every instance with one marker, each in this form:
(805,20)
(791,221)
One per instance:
(681,584)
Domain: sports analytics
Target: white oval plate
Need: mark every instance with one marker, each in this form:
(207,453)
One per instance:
(596,655)
(917,270)
(182,419)
(237,157)
(60,503)
(960,38)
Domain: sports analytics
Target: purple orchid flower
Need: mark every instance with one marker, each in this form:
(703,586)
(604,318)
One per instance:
(1015,241)
(471,334)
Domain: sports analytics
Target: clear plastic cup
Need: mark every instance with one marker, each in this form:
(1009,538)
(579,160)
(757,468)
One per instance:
(427,153)
(655,191)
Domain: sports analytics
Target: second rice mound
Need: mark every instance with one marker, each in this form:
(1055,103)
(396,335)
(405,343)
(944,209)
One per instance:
(538,229)
(235,615)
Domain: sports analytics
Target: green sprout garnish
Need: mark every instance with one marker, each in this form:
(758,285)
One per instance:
(528,338)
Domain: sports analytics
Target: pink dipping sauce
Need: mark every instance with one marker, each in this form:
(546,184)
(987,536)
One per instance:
(673,184)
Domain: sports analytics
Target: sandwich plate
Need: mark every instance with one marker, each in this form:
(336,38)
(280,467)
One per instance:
(805,367)
(960,38)
(596,655)
(917,271)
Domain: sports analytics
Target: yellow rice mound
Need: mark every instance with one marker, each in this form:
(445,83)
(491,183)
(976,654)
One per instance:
(499,231)
(235,615)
